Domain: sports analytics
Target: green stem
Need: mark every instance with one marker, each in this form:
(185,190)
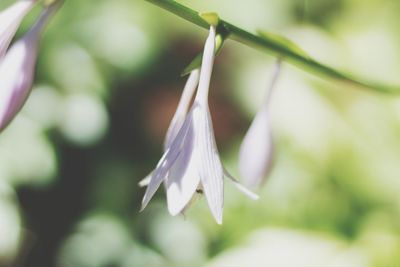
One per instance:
(272,46)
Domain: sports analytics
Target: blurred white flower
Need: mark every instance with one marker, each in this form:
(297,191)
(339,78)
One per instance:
(10,19)
(255,156)
(17,70)
(191,160)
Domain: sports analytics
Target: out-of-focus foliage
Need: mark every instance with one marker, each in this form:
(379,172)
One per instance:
(108,81)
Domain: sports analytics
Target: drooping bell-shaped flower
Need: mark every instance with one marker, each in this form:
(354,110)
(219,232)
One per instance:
(17,70)
(191,160)
(10,19)
(256,150)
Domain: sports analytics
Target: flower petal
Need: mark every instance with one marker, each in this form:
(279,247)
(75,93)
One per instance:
(165,163)
(179,116)
(210,167)
(146,180)
(183,179)
(209,164)
(182,109)
(206,68)
(10,20)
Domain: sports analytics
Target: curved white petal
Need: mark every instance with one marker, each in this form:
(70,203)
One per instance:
(10,20)
(165,163)
(255,154)
(179,116)
(183,107)
(206,68)
(209,166)
(183,178)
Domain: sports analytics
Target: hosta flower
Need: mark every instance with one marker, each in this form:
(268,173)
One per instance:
(191,160)
(17,70)
(255,156)
(10,20)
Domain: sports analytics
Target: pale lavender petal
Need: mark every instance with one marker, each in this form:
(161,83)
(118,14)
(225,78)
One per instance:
(210,167)
(255,156)
(183,107)
(183,178)
(209,164)
(165,163)
(10,19)
(175,140)
(206,68)
(240,187)
(179,116)
(159,174)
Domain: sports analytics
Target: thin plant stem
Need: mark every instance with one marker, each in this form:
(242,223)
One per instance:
(273,47)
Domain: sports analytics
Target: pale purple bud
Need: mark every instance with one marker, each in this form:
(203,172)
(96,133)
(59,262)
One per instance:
(17,70)
(256,150)
(10,19)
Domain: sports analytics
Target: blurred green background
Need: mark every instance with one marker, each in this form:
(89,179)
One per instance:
(107,84)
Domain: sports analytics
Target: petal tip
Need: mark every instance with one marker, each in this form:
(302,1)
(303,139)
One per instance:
(142,207)
(145,202)
(145,181)
(173,210)
(217,214)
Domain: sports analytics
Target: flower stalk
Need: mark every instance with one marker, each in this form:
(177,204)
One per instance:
(278,48)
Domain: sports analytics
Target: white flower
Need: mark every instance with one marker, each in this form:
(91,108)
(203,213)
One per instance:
(255,156)
(17,70)
(10,20)
(191,159)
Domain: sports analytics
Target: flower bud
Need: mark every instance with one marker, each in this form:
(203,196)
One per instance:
(256,150)
(17,70)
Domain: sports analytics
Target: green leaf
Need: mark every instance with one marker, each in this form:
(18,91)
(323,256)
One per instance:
(195,64)
(283,41)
